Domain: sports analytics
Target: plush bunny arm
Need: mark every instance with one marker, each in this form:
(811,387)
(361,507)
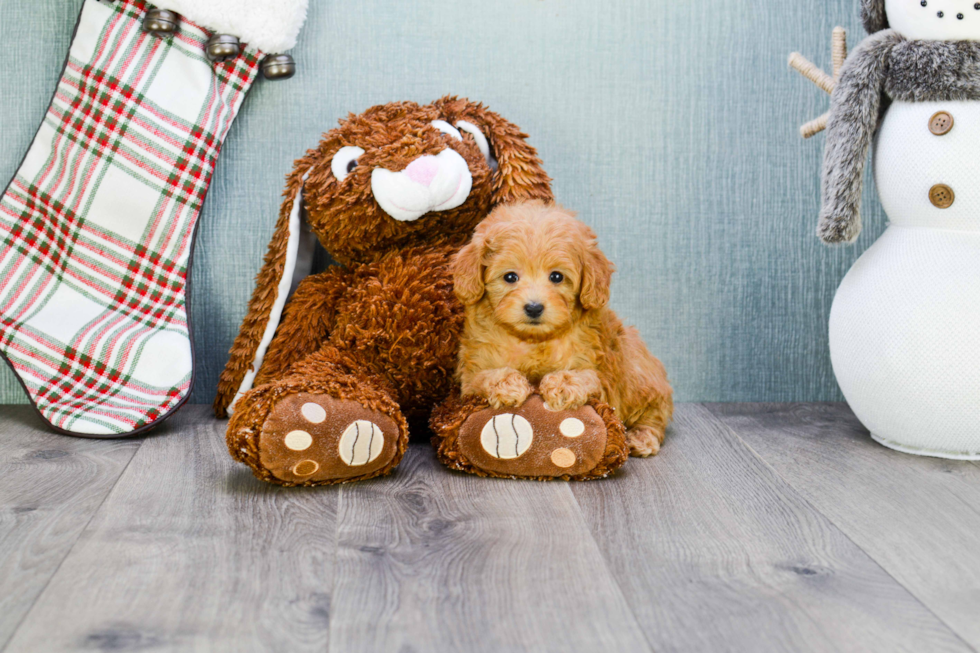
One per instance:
(306,322)
(855,108)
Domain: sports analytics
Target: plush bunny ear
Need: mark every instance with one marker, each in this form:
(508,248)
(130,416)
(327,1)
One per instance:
(518,174)
(873,15)
(288,261)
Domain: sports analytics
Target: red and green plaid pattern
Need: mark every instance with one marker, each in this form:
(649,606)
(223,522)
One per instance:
(97,226)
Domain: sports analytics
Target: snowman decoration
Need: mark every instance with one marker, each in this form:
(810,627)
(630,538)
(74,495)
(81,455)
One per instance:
(905,324)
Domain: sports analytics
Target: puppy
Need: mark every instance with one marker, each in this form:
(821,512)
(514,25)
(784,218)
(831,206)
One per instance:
(535,287)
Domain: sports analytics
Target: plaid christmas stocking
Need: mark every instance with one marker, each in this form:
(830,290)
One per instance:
(97,226)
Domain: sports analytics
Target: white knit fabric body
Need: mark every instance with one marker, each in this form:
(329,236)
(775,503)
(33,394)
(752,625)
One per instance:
(905,324)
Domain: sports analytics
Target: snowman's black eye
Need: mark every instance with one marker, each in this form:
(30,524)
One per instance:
(924,3)
(940,14)
(960,16)
(977,6)
(511,277)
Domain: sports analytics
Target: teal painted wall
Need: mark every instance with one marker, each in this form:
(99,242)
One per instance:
(670,126)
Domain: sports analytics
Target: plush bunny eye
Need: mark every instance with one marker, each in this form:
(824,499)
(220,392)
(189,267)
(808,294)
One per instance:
(446,128)
(557,277)
(511,277)
(344,161)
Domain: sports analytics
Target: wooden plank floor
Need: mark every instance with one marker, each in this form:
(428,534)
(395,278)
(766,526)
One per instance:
(758,528)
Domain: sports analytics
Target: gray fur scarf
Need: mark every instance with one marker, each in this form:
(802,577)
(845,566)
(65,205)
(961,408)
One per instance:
(885,65)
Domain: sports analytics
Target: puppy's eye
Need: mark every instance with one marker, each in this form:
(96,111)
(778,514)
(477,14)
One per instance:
(556,277)
(344,161)
(511,277)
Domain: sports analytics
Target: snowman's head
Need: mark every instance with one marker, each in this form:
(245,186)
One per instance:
(925,20)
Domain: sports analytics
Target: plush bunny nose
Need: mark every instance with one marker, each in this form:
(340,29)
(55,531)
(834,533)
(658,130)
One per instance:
(423,170)
(533,309)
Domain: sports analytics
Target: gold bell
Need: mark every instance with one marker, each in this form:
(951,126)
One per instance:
(161,22)
(222,47)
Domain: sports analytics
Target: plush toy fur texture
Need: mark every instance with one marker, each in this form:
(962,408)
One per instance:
(382,328)
(449,417)
(577,347)
(884,66)
(873,15)
(271,26)
(357,233)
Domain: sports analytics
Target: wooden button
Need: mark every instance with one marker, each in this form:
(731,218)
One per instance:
(942,196)
(941,123)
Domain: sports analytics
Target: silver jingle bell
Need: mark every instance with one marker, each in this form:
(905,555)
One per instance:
(161,22)
(222,47)
(278,66)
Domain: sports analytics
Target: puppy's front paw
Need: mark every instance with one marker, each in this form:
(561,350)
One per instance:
(644,441)
(568,389)
(505,388)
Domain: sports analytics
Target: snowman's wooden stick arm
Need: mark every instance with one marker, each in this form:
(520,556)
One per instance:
(839,50)
(854,110)
(822,80)
(808,69)
(815,126)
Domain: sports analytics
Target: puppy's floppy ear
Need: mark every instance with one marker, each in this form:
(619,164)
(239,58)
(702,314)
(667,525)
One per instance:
(597,273)
(467,269)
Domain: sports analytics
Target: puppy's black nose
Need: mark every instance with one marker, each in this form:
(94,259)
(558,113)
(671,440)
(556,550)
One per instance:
(533,309)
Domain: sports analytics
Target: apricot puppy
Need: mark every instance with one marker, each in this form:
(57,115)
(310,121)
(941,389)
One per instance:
(535,286)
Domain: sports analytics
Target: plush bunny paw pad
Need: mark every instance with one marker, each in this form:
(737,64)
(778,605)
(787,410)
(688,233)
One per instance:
(311,438)
(534,442)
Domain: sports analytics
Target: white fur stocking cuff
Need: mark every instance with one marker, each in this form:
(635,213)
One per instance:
(271,26)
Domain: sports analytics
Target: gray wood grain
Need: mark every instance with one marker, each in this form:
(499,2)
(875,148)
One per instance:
(919,518)
(808,538)
(431,560)
(50,487)
(189,552)
(715,552)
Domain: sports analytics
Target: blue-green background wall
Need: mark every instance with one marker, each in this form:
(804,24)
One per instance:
(671,126)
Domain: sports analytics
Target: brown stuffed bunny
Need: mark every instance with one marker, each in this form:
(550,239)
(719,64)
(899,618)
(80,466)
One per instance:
(323,374)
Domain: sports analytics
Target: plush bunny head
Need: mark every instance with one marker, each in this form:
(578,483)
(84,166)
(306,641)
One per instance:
(398,175)
(401,175)
(925,20)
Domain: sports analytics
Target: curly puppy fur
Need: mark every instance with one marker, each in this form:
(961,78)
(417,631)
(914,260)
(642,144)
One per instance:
(535,286)
(381,328)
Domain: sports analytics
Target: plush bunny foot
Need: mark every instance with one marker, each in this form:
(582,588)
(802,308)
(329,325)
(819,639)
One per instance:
(313,438)
(530,441)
